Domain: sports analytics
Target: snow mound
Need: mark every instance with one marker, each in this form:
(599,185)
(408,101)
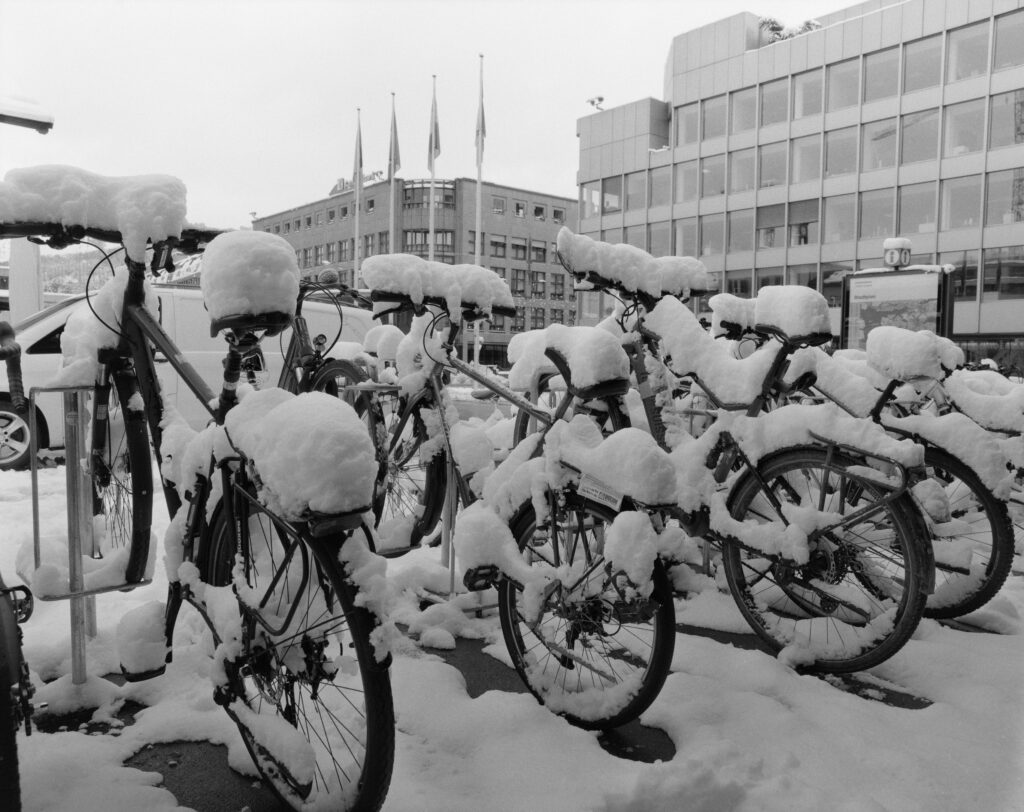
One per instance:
(249,273)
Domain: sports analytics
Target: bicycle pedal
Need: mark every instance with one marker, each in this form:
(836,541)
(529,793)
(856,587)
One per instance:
(478,579)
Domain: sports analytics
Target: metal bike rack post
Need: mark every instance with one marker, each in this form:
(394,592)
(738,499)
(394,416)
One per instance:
(79,516)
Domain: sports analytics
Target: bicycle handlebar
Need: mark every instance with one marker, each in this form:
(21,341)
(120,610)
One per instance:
(10,353)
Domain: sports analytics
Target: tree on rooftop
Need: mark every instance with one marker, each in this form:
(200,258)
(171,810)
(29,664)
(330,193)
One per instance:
(776,31)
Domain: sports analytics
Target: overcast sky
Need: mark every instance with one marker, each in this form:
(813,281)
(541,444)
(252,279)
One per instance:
(252,103)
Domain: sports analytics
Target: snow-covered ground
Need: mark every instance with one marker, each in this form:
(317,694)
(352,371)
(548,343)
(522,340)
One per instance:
(749,733)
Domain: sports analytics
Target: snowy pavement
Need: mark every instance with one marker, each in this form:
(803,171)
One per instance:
(748,732)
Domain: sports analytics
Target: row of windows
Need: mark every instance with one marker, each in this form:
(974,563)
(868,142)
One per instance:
(871,146)
(869,78)
(414,241)
(1001,274)
(539,318)
(518,248)
(541,285)
(994,199)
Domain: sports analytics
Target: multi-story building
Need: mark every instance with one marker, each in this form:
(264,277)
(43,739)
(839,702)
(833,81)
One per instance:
(519,228)
(791,161)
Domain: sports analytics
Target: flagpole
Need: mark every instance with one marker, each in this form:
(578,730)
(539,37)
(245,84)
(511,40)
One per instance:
(392,171)
(480,132)
(430,202)
(358,181)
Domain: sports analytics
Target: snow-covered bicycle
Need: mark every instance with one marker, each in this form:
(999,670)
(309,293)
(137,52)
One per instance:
(266,539)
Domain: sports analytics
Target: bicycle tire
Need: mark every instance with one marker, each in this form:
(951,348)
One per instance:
(412,489)
(990,539)
(121,471)
(618,674)
(343,712)
(336,378)
(853,605)
(10,717)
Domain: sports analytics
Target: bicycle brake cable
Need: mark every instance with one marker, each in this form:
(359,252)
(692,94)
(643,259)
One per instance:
(88,280)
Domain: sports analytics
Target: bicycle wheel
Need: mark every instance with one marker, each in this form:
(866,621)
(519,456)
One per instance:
(972,565)
(10,692)
(337,377)
(121,471)
(410,496)
(591,656)
(862,593)
(313,704)
(610,414)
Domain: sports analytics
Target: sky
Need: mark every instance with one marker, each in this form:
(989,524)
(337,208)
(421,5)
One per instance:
(253,104)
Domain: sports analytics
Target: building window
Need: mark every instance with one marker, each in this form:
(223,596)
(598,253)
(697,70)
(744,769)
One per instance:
(660,180)
(772,165)
(743,112)
(768,276)
(519,248)
(714,117)
(922,64)
(331,214)
(537,284)
(287,228)
(558,215)
(881,74)
(637,237)
(611,235)
(840,152)
(538,251)
(1009,47)
(497,324)
(444,241)
(807,94)
(277,228)
(843,84)
(1006,119)
(557,316)
(309,221)
(344,212)
(742,177)
(920,136)
(370,205)
(305,257)
(916,209)
(805,275)
(368,244)
(878,144)
(738,283)
(686,237)
(687,121)
(1004,197)
(558,286)
(518,281)
(536,318)
(498,205)
(712,234)
(611,194)
(497,246)
(636,191)
(741,230)
(383,243)
(876,214)
(416,241)
(343,250)
(590,198)
(832,274)
(771,220)
(518,209)
(712,174)
(519,321)
(331,252)
(540,213)
(318,254)
(498,270)
(803,222)
(961,202)
(319,218)
(774,102)
(963,132)
(965,278)
(1003,273)
(687,184)
(840,218)
(805,164)
(659,239)
(297,225)
(967,52)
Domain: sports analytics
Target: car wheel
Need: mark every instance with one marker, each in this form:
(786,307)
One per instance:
(14,437)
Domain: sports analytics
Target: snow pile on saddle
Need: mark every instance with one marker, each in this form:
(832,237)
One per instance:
(594,356)
(728,311)
(249,273)
(312,451)
(459,285)
(631,268)
(141,207)
(908,354)
(997,407)
(794,310)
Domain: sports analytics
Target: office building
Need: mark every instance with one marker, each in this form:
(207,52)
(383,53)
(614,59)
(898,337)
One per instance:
(792,160)
(519,231)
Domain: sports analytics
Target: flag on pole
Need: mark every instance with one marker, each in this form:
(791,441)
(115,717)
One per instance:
(481,125)
(394,159)
(435,133)
(357,169)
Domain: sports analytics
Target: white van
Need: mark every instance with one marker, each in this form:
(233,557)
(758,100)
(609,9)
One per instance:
(182,313)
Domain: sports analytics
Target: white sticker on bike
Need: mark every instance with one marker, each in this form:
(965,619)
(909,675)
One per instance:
(597,491)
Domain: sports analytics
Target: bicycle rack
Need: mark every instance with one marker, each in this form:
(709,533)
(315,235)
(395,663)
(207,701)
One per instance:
(79,513)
